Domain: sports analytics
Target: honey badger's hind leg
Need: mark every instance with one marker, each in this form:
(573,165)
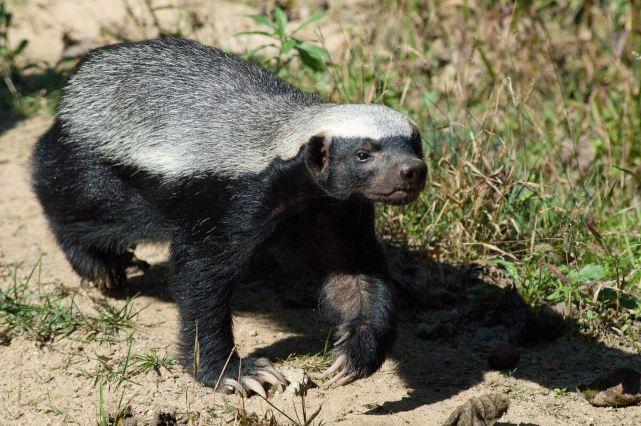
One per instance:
(106,267)
(96,217)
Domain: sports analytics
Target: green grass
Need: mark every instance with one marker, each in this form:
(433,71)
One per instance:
(560,391)
(154,362)
(531,122)
(118,370)
(47,313)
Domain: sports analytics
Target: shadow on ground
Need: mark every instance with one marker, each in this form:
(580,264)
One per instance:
(25,93)
(444,344)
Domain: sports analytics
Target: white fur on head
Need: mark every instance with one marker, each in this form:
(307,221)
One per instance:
(343,121)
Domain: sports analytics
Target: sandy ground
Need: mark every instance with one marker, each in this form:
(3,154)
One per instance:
(421,384)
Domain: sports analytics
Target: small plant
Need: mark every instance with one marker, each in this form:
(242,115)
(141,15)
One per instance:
(560,391)
(120,417)
(288,46)
(8,54)
(8,67)
(41,316)
(46,316)
(153,362)
(120,370)
(110,319)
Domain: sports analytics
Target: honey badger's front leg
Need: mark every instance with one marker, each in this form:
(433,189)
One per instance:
(208,257)
(357,296)
(363,307)
(204,282)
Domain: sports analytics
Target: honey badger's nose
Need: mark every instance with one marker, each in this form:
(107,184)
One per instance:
(413,172)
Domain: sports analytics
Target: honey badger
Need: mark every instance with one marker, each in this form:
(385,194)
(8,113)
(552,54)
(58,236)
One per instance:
(172,141)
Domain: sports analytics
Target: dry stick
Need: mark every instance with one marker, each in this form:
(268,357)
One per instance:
(635,24)
(296,411)
(557,79)
(154,18)
(196,364)
(302,403)
(196,350)
(533,237)
(432,225)
(222,372)
(313,416)
(279,410)
(406,87)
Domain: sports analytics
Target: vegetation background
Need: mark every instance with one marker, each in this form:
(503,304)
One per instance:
(530,113)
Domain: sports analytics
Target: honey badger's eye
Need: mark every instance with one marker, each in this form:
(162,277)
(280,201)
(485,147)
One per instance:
(362,156)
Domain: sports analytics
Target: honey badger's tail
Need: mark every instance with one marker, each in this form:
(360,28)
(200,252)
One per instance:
(95,218)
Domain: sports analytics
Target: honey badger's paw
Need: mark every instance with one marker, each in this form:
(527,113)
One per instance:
(255,376)
(357,355)
(109,271)
(117,267)
(342,376)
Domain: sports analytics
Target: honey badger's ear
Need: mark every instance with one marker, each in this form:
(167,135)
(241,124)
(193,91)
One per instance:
(317,154)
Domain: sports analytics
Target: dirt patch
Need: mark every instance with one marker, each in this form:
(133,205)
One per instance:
(46,22)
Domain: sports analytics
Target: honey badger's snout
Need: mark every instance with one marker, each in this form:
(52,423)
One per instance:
(412,172)
(405,180)
(399,180)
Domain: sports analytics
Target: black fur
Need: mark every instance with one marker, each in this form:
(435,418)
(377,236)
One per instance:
(318,204)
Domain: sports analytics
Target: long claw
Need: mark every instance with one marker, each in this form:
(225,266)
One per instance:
(254,385)
(345,380)
(336,378)
(342,339)
(227,389)
(255,377)
(271,370)
(237,386)
(139,264)
(338,363)
(266,376)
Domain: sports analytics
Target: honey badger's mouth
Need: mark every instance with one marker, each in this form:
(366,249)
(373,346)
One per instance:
(396,196)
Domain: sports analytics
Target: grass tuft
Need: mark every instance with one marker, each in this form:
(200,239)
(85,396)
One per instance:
(46,315)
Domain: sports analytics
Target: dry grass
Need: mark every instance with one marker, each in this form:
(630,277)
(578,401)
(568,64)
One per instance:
(531,115)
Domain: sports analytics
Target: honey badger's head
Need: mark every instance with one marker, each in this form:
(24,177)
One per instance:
(367,151)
